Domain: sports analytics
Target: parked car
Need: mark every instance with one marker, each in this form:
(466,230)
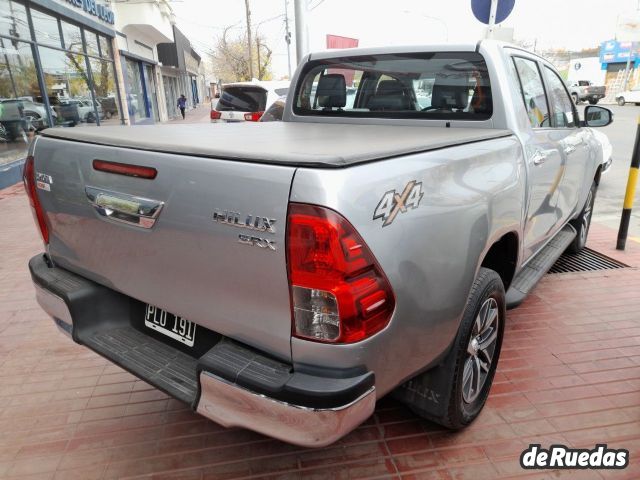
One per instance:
(582,90)
(246,101)
(37,113)
(607,150)
(295,272)
(629,96)
(109,107)
(86,109)
(66,113)
(275,111)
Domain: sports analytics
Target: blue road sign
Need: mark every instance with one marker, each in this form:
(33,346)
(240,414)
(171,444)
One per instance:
(482,9)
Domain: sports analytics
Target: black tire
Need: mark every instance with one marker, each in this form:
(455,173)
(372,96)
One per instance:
(593,101)
(575,98)
(621,101)
(90,118)
(466,403)
(583,222)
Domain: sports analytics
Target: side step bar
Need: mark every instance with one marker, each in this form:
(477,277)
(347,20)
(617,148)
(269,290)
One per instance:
(538,266)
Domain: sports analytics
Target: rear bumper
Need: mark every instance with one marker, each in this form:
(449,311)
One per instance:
(230,383)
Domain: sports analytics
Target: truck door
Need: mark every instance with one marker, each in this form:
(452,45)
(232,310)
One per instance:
(545,163)
(570,140)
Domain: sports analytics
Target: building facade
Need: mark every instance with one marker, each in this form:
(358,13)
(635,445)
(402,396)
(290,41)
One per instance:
(180,73)
(620,62)
(140,27)
(57,69)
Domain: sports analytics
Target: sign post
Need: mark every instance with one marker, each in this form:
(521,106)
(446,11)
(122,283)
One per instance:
(630,192)
(629,30)
(492,18)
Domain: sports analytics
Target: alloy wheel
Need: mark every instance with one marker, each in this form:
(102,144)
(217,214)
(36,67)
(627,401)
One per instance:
(480,350)
(586,218)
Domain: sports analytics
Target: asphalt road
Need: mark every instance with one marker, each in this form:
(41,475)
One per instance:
(613,184)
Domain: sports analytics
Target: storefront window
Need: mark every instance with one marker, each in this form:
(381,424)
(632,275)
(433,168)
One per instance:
(72,37)
(105,89)
(13,20)
(151,91)
(135,92)
(105,51)
(68,87)
(46,29)
(77,76)
(20,111)
(92,43)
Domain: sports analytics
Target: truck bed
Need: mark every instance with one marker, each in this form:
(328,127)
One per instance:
(281,143)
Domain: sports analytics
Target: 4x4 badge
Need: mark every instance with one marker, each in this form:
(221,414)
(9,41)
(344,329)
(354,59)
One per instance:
(393,203)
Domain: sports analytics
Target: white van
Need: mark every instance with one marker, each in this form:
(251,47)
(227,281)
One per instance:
(247,101)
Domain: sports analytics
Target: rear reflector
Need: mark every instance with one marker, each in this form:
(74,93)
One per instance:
(215,115)
(29,179)
(339,293)
(125,169)
(253,116)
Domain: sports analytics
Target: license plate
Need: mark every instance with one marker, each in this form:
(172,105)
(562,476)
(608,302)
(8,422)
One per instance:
(171,325)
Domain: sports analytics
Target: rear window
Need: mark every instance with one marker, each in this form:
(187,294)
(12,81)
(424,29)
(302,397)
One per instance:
(440,85)
(584,83)
(242,99)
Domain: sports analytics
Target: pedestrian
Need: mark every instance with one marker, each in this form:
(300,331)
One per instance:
(182,104)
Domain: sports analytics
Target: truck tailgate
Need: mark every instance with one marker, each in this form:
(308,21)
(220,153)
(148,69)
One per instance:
(188,263)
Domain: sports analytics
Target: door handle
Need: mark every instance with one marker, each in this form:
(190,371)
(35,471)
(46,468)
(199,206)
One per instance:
(539,157)
(121,207)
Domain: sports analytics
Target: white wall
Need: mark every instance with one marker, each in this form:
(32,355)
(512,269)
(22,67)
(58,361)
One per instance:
(590,69)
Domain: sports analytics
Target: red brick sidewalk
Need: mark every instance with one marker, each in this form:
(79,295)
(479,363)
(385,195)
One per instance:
(569,373)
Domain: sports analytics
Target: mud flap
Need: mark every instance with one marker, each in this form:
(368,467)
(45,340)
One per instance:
(428,394)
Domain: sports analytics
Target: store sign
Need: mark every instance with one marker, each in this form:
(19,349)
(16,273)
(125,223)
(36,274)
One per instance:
(103,12)
(613,51)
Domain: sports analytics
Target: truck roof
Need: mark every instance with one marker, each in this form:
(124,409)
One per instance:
(281,143)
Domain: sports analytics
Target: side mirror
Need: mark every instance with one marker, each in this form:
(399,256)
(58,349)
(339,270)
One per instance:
(595,116)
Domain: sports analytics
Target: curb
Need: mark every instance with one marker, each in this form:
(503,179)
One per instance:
(11,173)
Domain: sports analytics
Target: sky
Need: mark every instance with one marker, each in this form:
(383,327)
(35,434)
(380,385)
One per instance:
(571,24)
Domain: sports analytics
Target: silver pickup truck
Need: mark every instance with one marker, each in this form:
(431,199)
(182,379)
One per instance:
(283,276)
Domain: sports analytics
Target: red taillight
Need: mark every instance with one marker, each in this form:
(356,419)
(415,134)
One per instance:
(29,179)
(215,115)
(338,290)
(253,116)
(125,169)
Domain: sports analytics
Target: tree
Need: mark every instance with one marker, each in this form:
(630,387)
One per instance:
(231,58)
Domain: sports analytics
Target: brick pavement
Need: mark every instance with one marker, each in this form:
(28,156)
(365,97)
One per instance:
(569,373)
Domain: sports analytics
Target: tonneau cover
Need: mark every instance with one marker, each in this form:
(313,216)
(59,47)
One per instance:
(282,143)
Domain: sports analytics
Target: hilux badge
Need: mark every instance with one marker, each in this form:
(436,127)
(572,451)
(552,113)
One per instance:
(250,222)
(393,203)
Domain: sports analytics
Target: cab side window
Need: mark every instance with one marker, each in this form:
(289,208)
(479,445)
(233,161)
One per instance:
(533,93)
(561,103)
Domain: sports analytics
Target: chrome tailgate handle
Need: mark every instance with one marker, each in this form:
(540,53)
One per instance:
(121,207)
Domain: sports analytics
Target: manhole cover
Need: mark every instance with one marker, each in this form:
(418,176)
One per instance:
(586,261)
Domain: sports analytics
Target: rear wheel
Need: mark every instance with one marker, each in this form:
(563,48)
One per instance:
(621,101)
(475,352)
(593,101)
(583,222)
